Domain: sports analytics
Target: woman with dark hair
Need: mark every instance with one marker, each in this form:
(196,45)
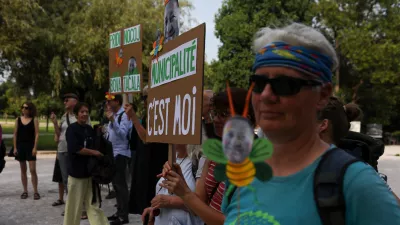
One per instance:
(80,142)
(206,201)
(26,135)
(334,124)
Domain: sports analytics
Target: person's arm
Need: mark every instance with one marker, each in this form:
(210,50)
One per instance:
(86,151)
(209,215)
(139,128)
(75,143)
(57,128)
(175,184)
(364,190)
(167,201)
(15,135)
(120,129)
(36,122)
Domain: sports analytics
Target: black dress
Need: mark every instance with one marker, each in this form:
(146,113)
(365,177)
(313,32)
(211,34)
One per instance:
(149,162)
(25,141)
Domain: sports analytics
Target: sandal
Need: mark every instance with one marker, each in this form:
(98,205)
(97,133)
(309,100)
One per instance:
(36,196)
(24,195)
(58,203)
(84,216)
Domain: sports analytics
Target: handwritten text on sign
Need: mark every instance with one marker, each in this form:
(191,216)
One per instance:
(184,114)
(174,65)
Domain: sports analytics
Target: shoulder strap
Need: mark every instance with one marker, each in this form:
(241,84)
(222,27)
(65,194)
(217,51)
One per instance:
(68,119)
(328,186)
(120,117)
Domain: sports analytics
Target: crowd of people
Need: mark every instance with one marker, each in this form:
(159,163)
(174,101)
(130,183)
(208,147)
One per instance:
(293,106)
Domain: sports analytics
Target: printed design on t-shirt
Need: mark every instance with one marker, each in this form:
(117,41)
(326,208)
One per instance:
(255,218)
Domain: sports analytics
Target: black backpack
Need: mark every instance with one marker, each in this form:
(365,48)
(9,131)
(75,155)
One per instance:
(133,136)
(328,186)
(363,147)
(102,169)
(3,153)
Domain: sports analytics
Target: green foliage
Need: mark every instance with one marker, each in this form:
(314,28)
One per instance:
(62,46)
(236,23)
(364,33)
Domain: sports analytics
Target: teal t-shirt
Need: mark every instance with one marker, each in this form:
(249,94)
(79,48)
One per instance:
(290,200)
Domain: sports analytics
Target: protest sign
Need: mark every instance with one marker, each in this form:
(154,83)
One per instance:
(125,60)
(176,90)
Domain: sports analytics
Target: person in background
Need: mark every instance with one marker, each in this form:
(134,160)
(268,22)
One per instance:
(57,178)
(172,209)
(80,141)
(118,130)
(149,161)
(206,201)
(26,136)
(68,118)
(60,129)
(334,123)
(196,151)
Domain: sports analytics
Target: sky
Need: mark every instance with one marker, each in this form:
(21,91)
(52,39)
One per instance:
(204,12)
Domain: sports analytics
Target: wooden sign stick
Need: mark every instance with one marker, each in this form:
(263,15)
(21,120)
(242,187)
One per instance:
(171,155)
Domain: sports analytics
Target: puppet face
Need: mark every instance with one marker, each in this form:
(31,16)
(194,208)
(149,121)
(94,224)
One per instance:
(132,65)
(171,20)
(237,139)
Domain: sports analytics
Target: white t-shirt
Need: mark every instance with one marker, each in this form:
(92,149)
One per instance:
(169,216)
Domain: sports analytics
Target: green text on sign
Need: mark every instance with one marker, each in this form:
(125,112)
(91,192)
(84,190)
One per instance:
(115,39)
(174,65)
(132,35)
(115,85)
(132,83)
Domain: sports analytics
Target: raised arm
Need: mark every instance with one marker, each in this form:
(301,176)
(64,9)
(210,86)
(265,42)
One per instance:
(57,128)
(175,184)
(136,122)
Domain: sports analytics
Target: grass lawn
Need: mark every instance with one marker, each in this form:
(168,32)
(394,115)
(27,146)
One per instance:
(46,142)
(42,130)
(46,139)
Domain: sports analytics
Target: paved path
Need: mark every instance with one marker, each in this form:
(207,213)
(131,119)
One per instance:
(14,211)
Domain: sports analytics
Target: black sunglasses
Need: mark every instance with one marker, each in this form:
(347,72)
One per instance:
(25,107)
(281,85)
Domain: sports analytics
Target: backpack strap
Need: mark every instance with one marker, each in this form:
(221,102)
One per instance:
(120,117)
(328,186)
(68,119)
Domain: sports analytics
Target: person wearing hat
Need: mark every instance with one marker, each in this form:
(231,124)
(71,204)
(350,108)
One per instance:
(60,128)
(118,130)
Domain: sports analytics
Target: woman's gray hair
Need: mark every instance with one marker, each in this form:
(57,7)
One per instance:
(296,34)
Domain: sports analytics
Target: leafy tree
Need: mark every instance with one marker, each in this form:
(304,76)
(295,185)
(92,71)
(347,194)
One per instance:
(364,33)
(236,23)
(62,46)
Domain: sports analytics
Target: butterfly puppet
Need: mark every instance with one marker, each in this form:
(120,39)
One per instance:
(240,158)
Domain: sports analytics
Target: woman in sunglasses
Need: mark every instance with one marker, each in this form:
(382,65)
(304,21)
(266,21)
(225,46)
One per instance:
(26,136)
(293,81)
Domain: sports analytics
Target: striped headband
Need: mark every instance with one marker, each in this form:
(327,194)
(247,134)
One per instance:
(313,63)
